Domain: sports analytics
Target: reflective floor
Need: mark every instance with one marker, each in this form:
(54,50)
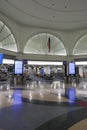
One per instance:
(43,105)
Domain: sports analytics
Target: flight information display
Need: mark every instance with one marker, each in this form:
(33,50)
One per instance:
(1,57)
(18,67)
(71,68)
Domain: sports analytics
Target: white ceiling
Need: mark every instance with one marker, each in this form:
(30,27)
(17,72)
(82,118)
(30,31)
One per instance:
(54,14)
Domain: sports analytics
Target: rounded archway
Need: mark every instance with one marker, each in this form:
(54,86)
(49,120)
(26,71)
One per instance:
(7,40)
(81,46)
(44,43)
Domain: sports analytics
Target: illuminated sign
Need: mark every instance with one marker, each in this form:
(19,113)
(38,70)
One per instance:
(71,68)
(18,68)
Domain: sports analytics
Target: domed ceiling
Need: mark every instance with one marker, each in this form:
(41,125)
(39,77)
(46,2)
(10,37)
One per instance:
(56,14)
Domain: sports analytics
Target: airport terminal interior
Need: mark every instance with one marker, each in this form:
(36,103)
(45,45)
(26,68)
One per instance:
(43,65)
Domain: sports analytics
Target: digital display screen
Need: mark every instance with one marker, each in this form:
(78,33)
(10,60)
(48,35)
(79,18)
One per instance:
(71,68)
(64,62)
(25,62)
(1,57)
(18,67)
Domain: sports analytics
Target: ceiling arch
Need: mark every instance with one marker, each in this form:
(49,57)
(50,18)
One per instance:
(7,40)
(81,46)
(38,44)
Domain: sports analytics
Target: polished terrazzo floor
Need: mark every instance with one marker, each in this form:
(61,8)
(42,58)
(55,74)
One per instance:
(43,105)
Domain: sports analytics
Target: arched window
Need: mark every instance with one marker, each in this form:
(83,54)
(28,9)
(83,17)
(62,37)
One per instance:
(81,46)
(40,43)
(7,40)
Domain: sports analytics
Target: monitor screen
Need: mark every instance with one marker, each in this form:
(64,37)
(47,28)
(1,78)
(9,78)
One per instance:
(25,62)
(71,68)
(18,67)
(1,57)
(64,62)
